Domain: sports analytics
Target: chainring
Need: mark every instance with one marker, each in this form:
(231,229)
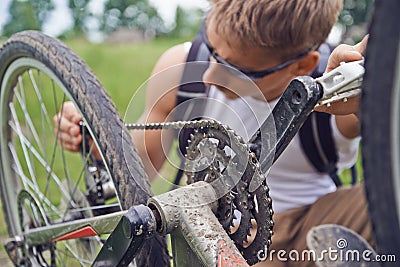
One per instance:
(215,153)
(226,162)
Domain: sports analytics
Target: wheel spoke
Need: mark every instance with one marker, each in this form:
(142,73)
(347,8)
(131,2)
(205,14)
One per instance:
(73,192)
(28,119)
(70,253)
(17,129)
(40,98)
(25,143)
(26,182)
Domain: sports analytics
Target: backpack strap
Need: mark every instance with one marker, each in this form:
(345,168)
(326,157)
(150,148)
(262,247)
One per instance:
(191,87)
(318,144)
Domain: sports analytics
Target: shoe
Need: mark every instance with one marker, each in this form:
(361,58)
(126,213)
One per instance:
(338,246)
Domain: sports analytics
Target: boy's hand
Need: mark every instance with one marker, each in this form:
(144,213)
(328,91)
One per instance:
(344,53)
(66,127)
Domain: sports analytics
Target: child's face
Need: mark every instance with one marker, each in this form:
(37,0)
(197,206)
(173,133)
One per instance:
(256,60)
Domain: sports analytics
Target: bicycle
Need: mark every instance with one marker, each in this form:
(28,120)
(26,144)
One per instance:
(54,222)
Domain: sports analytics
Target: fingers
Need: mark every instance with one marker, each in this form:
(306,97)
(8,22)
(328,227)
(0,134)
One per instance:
(347,53)
(343,53)
(70,112)
(351,106)
(70,143)
(66,127)
(362,46)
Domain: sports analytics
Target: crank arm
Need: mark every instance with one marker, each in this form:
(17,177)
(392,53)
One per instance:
(289,114)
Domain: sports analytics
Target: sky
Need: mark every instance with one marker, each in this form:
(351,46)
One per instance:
(61,20)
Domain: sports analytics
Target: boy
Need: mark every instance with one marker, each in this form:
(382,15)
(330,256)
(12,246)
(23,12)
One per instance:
(272,41)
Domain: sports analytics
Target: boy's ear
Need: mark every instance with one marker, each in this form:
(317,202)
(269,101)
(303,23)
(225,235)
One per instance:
(306,65)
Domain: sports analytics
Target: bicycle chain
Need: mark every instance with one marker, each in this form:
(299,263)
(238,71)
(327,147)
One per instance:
(207,160)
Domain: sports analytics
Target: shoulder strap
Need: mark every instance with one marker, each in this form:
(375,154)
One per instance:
(192,87)
(318,144)
(190,90)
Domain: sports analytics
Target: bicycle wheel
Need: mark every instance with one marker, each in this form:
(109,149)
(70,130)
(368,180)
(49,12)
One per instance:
(41,183)
(380,109)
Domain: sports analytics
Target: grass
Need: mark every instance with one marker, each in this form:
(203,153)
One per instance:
(123,68)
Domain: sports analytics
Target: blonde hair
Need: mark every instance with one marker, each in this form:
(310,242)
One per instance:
(284,26)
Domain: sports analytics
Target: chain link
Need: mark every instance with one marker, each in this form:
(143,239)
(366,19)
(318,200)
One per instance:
(173,125)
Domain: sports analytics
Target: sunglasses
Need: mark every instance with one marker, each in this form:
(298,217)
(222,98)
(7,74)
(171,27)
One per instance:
(248,74)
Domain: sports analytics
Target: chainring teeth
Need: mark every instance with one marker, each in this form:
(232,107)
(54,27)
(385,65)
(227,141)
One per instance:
(246,168)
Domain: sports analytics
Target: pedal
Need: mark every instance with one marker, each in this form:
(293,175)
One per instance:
(341,83)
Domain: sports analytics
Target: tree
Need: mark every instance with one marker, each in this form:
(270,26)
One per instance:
(80,14)
(27,15)
(356,12)
(187,22)
(136,14)
(354,18)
